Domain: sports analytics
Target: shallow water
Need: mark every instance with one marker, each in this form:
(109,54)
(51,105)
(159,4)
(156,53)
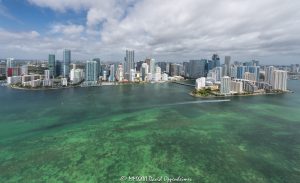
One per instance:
(100,134)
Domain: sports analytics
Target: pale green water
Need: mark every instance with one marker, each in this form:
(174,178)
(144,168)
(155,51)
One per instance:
(101,134)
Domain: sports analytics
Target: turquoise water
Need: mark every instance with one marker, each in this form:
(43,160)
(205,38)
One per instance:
(100,134)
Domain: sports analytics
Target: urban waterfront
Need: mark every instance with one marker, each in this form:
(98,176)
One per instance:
(101,134)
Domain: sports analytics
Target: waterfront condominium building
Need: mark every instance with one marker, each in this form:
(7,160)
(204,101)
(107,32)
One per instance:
(144,71)
(91,72)
(279,81)
(225,85)
(52,65)
(237,86)
(66,63)
(200,83)
(157,76)
(120,73)
(128,63)
(152,66)
(269,74)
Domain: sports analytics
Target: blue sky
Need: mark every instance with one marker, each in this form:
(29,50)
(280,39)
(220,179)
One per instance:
(24,16)
(165,30)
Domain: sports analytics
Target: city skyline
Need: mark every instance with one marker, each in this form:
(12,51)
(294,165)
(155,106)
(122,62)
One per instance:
(264,31)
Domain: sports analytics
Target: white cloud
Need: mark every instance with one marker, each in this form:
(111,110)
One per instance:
(68,30)
(178,30)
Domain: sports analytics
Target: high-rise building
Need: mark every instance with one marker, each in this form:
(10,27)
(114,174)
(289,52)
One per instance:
(163,66)
(200,83)
(128,63)
(132,75)
(157,76)
(174,69)
(139,66)
(233,71)
(224,70)
(237,86)
(66,63)
(215,60)
(2,68)
(47,74)
(91,72)
(120,73)
(255,71)
(152,66)
(47,80)
(10,63)
(197,68)
(225,85)
(99,70)
(279,81)
(227,63)
(52,65)
(240,72)
(112,73)
(76,75)
(144,71)
(269,74)
(218,73)
(104,75)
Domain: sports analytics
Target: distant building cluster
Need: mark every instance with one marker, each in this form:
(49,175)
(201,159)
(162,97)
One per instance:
(228,78)
(237,78)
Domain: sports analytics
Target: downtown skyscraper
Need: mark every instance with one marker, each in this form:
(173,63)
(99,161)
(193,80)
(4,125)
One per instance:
(52,65)
(128,63)
(66,63)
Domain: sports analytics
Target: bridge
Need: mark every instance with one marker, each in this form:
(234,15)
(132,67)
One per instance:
(185,84)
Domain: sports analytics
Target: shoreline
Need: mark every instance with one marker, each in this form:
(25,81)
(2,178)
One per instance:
(239,95)
(79,86)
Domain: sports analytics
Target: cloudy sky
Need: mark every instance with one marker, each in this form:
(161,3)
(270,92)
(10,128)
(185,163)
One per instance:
(167,30)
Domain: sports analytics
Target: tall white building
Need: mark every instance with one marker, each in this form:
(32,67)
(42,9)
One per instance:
(152,67)
(76,75)
(132,75)
(200,83)
(225,85)
(144,71)
(237,86)
(47,81)
(279,80)
(120,73)
(269,74)
(157,76)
